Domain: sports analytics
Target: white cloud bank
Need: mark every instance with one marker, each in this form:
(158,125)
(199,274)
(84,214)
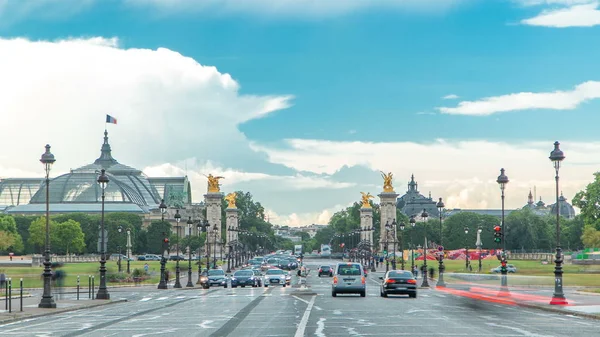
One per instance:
(462,172)
(579,13)
(556,100)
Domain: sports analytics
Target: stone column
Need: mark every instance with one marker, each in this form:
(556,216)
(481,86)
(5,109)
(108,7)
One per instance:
(388,214)
(232,222)
(213,202)
(366,221)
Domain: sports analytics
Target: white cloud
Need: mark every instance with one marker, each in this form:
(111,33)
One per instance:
(12,11)
(586,15)
(451,96)
(553,2)
(557,100)
(302,219)
(462,172)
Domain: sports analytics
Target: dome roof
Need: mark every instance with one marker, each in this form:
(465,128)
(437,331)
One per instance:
(566,209)
(126,184)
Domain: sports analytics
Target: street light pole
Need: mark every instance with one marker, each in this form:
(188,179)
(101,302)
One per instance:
(413,223)
(215,232)
(479,244)
(394,226)
(502,181)
(558,298)
(440,206)
(387,254)
(466,249)
(402,225)
(189,284)
(47,301)
(119,229)
(102,290)
(162,284)
(177,271)
(128,246)
(425,283)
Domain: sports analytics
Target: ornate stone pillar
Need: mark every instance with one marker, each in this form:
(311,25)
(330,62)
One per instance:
(387,206)
(213,215)
(366,221)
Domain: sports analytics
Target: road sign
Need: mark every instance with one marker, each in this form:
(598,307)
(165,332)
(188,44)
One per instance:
(105,245)
(441,248)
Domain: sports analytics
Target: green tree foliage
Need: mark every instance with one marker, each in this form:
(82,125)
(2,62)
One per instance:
(37,233)
(590,237)
(89,224)
(67,237)
(588,200)
(9,226)
(6,240)
(157,231)
(23,222)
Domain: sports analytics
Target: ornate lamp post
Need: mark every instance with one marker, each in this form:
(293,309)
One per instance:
(102,290)
(120,230)
(413,223)
(177,271)
(163,261)
(425,283)
(47,300)
(163,209)
(440,206)
(394,227)
(128,249)
(502,181)
(466,248)
(479,244)
(215,233)
(558,298)
(189,284)
(387,254)
(402,244)
(201,227)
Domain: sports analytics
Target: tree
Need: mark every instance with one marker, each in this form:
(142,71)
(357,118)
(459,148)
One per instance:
(67,237)
(157,231)
(6,240)
(23,222)
(37,233)
(591,237)
(588,200)
(90,227)
(454,226)
(9,226)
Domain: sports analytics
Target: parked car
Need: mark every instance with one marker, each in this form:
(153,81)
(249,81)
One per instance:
(510,268)
(325,270)
(398,282)
(148,257)
(177,257)
(349,279)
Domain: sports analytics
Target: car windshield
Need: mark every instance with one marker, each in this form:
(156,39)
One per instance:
(275,272)
(216,272)
(400,274)
(348,269)
(324,267)
(243,273)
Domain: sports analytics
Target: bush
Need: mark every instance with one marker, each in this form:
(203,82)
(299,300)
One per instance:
(138,273)
(118,277)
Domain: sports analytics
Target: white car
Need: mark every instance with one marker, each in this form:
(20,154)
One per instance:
(274,277)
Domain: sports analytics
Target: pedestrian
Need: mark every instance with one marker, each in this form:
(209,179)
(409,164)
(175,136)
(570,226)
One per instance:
(415,271)
(431,270)
(146,267)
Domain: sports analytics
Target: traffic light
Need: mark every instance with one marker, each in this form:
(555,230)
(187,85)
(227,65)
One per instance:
(503,265)
(497,234)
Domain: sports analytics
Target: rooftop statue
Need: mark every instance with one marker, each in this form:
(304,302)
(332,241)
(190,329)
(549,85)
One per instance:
(231,200)
(365,199)
(213,183)
(387,182)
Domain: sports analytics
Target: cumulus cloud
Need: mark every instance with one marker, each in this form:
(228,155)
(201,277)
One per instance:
(556,100)
(302,219)
(586,15)
(451,96)
(462,172)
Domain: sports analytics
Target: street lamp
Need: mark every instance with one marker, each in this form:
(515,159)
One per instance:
(190,223)
(387,255)
(466,249)
(128,246)
(425,283)
(401,244)
(119,229)
(163,209)
(201,227)
(230,248)
(215,232)
(479,244)
(413,223)
(502,181)
(47,300)
(102,290)
(177,271)
(394,226)
(440,206)
(558,298)
(163,261)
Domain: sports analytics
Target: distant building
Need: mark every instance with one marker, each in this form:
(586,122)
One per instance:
(413,202)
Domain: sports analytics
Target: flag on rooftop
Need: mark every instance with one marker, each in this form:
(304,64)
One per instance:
(111,119)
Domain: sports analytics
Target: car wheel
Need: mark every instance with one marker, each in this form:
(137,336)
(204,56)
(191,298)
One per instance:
(225,286)
(266,285)
(363,294)
(333,294)
(284,285)
(413,295)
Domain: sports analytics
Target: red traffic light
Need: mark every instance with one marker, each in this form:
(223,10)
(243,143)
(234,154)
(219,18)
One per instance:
(503,263)
(166,240)
(497,228)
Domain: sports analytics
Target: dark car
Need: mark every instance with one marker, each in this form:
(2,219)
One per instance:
(398,282)
(244,278)
(216,277)
(326,270)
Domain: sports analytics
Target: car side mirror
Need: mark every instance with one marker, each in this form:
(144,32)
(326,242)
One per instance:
(381,277)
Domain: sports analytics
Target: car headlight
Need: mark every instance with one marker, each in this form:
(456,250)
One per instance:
(203,278)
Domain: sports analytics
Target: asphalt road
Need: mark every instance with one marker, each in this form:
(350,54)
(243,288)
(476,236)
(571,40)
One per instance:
(277,311)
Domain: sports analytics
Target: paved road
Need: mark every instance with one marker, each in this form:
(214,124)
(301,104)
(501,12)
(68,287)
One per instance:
(277,311)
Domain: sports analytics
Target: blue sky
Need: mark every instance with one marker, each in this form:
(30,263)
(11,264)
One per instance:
(369,77)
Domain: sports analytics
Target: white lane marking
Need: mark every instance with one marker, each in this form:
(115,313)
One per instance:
(145,299)
(180,297)
(204,324)
(320,327)
(161,298)
(521,331)
(305,301)
(304,321)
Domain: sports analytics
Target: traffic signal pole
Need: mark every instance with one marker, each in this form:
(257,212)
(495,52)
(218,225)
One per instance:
(163,261)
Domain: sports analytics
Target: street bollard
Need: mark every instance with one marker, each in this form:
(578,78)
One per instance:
(6,294)
(9,295)
(93,287)
(78,287)
(21,294)
(89,286)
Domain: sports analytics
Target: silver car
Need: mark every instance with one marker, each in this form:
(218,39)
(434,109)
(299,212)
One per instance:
(275,277)
(349,278)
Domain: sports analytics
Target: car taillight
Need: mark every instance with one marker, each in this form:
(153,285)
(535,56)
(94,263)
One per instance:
(412,281)
(363,280)
(335,280)
(390,281)
(320,270)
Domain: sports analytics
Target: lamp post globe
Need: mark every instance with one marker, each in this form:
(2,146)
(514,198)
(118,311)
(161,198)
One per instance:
(47,300)
(425,283)
(103,290)
(502,182)
(558,298)
(177,270)
(440,206)
(189,284)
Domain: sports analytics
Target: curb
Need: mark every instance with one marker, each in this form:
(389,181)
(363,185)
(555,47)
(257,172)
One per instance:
(58,311)
(559,311)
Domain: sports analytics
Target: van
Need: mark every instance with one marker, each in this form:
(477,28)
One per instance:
(349,278)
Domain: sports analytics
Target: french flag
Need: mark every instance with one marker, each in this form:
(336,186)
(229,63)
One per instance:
(111,119)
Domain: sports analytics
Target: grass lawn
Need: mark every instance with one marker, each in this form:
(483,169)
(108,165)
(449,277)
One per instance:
(32,276)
